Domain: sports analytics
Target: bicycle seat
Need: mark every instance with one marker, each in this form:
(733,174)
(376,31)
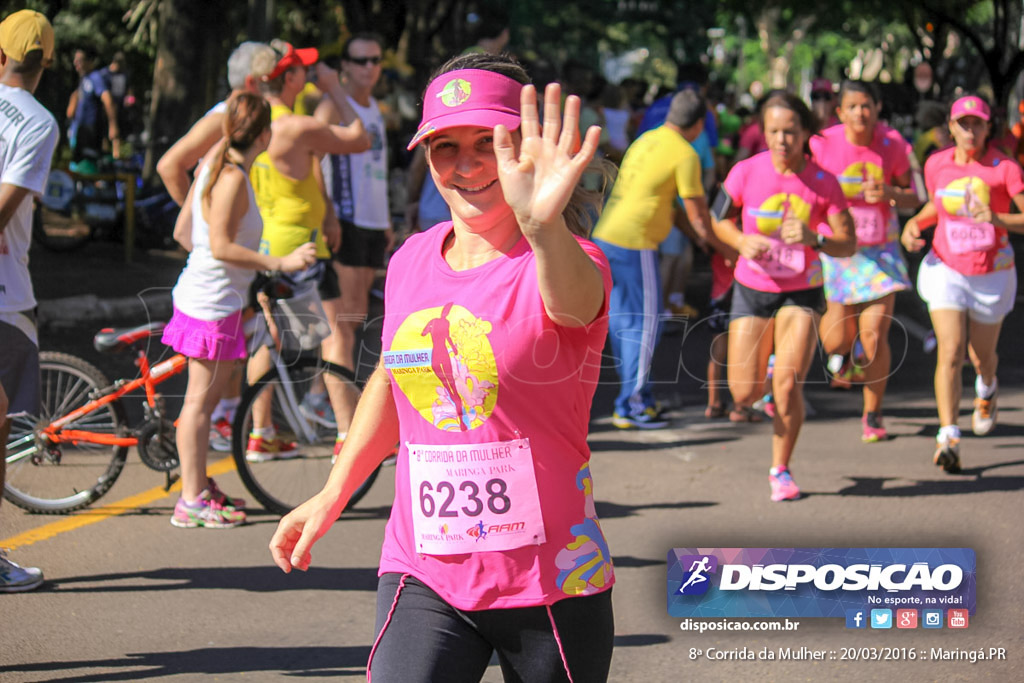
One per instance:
(114,339)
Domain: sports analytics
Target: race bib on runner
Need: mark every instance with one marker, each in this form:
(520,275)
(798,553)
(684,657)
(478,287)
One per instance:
(474,498)
(869,225)
(964,235)
(782,260)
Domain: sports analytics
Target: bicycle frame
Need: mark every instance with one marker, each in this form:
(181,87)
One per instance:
(150,378)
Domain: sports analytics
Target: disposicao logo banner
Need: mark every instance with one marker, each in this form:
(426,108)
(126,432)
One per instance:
(816,582)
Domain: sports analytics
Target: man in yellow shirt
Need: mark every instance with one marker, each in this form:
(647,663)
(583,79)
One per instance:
(658,167)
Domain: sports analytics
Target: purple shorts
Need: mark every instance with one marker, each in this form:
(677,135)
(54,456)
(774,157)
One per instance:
(222,339)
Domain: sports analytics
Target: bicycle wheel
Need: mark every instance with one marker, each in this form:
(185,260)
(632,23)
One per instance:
(70,476)
(280,484)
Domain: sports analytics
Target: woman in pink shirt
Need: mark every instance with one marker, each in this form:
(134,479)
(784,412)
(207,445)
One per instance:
(872,163)
(786,204)
(968,279)
(493,544)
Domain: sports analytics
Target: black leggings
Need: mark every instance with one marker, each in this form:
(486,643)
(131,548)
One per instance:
(421,638)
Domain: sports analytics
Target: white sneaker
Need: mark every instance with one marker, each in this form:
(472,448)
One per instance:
(15,579)
(983,419)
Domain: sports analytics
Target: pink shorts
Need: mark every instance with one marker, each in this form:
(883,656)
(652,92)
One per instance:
(222,339)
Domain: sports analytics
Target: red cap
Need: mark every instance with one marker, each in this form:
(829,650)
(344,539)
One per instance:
(307,56)
(969,106)
(821,85)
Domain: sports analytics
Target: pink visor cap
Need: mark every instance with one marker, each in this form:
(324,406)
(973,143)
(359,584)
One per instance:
(469,97)
(970,106)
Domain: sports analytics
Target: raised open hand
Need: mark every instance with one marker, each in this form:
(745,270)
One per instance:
(539,177)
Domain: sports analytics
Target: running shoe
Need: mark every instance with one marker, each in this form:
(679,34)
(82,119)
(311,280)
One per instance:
(983,419)
(262,450)
(648,419)
(220,435)
(843,378)
(947,454)
(783,486)
(206,512)
(873,429)
(318,409)
(222,497)
(766,404)
(18,579)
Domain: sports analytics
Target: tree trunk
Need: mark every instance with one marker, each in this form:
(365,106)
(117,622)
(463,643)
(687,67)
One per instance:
(190,60)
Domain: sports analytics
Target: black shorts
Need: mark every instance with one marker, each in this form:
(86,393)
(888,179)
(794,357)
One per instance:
(719,313)
(422,639)
(19,365)
(328,287)
(752,302)
(361,247)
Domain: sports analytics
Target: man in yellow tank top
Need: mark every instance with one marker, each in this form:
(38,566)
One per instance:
(289,191)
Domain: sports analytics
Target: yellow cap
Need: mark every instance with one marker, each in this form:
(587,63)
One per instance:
(25,31)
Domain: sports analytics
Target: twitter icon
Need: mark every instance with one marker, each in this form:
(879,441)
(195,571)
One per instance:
(881,618)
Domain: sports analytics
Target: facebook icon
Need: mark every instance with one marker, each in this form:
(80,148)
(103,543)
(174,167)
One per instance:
(855,618)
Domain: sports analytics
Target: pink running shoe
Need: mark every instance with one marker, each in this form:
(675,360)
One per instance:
(223,498)
(783,486)
(873,429)
(206,512)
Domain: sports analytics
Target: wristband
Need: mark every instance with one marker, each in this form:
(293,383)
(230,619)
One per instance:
(819,242)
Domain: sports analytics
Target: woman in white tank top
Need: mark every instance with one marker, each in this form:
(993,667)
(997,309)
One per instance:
(220,225)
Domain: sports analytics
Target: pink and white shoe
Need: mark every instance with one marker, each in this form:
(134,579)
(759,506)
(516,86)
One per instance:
(783,486)
(873,429)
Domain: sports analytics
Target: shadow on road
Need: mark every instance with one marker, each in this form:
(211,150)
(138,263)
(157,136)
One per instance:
(971,480)
(630,562)
(640,640)
(249,579)
(606,510)
(598,446)
(283,661)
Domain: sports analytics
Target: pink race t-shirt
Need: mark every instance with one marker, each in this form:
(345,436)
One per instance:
(964,245)
(886,157)
(494,502)
(765,195)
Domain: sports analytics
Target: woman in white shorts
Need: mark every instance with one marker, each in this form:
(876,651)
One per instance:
(968,279)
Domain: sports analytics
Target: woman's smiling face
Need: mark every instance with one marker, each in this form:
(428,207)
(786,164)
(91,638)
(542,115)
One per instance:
(465,170)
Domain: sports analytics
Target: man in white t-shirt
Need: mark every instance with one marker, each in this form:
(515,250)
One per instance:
(358,187)
(28,136)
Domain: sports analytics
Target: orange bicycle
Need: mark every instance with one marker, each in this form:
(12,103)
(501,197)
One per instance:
(70,454)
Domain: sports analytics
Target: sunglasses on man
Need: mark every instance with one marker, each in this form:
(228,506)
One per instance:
(363,61)
(821,95)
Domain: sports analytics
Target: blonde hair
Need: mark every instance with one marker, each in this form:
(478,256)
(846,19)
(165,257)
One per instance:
(264,59)
(247,117)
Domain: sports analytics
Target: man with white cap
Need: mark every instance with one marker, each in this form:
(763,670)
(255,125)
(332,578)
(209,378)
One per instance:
(28,136)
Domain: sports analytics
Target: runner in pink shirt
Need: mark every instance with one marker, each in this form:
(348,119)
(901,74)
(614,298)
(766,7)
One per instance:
(872,163)
(493,544)
(788,206)
(968,279)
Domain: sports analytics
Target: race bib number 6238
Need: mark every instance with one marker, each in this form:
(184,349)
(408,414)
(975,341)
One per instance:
(474,497)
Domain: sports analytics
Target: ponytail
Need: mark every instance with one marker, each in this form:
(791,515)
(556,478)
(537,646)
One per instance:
(247,117)
(220,156)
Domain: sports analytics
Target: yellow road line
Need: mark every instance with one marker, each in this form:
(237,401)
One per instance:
(91,516)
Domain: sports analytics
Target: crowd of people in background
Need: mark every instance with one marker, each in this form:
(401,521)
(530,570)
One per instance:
(793,205)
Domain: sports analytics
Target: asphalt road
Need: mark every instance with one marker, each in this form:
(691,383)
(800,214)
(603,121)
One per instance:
(129,597)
